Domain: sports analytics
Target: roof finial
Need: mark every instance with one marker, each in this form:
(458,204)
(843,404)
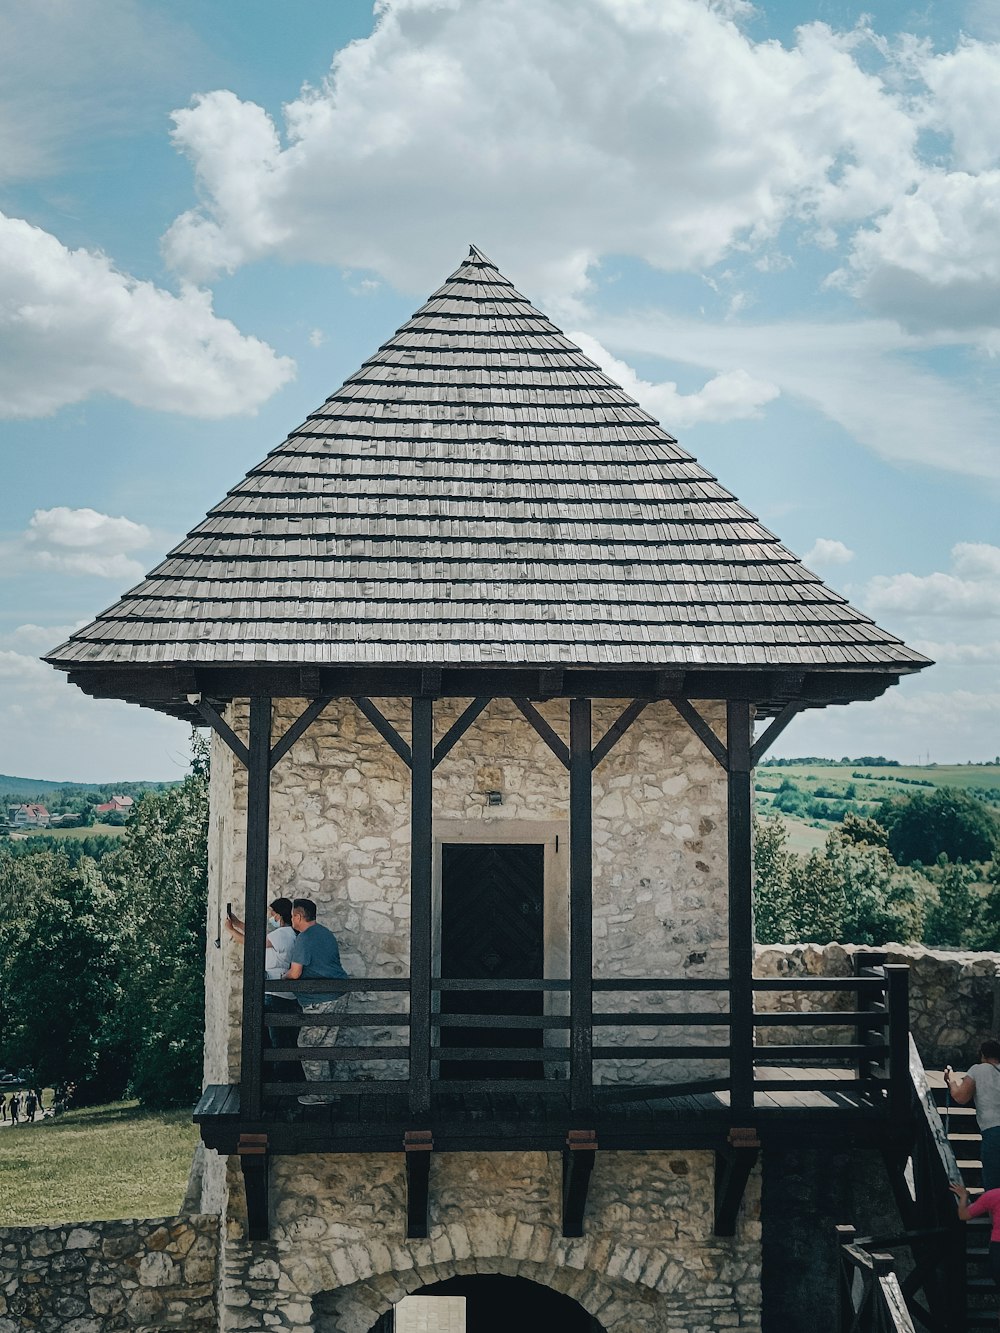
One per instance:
(476,256)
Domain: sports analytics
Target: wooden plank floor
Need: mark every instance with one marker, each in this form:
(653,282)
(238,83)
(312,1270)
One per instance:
(539,1116)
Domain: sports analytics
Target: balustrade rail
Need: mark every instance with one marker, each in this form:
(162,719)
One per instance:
(646,1038)
(870,1299)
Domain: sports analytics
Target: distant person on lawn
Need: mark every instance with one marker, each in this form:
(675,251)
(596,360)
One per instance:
(15,1107)
(315,954)
(30,1104)
(982,1082)
(3,1106)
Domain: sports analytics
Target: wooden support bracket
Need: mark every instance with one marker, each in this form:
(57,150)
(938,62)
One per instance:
(418,1144)
(579,1156)
(733,1165)
(252,1150)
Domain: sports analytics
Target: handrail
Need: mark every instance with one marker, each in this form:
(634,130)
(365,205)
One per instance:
(696,1041)
(873,1304)
(934,1126)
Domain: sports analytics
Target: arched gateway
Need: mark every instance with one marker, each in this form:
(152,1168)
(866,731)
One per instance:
(480,1303)
(483,652)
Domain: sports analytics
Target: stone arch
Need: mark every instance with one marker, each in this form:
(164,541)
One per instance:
(620,1307)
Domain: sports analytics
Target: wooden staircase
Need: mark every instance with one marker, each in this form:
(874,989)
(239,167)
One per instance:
(963,1134)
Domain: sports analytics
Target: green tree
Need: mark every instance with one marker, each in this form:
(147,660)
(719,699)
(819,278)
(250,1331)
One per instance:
(851,891)
(60,974)
(159,877)
(945,822)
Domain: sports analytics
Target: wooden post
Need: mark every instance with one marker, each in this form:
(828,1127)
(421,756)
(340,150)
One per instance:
(421,847)
(897,977)
(739,729)
(255,905)
(581,923)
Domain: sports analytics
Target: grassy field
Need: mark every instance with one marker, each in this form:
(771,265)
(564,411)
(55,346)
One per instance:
(832,788)
(110,829)
(93,1164)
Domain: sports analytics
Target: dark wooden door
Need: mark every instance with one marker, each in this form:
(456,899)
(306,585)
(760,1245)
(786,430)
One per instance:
(492,928)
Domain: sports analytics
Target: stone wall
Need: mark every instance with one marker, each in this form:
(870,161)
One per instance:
(953,995)
(99,1277)
(340,835)
(338,1256)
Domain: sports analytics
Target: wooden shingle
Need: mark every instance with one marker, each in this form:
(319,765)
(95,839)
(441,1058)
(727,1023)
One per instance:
(479,493)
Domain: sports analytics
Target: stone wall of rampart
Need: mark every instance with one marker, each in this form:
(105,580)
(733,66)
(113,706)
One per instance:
(101,1277)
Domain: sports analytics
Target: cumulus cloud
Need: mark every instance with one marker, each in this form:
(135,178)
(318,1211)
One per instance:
(863,374)
(731,396)
(79,541)
(72,325)
(970,589)
(828,551)
(548,127)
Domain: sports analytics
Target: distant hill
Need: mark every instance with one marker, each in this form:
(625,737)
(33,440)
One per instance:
(28,788)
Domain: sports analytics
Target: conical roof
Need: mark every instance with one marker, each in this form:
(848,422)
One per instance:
(480,493)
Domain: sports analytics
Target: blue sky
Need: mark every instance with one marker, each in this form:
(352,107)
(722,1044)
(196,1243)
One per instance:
(776,224)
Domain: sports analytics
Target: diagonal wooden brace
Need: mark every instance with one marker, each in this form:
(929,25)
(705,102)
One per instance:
(579,1156)
(418,1144)
(733,1165)
(252,1150)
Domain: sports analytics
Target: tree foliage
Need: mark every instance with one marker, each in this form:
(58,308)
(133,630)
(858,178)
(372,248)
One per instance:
(945,822)
(102,963)
(852,891)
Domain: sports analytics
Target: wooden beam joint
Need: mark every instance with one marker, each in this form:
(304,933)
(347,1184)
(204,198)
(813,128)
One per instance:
(579,1156)
(733,1165)
(253,1155)
(418,1144)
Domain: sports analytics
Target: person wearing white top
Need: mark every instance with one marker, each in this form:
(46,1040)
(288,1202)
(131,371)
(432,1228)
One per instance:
(277,957)
(982,1083)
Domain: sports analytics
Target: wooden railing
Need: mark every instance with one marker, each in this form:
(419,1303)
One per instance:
(869,1297)
(639,1062)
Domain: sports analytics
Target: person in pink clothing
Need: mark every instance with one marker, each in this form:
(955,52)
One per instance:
(988,1204)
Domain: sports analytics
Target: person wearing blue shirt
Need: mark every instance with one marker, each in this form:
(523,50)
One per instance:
(315,955)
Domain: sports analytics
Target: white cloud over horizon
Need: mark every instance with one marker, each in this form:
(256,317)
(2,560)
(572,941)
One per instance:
(548,127)
(828,551)
(72,325)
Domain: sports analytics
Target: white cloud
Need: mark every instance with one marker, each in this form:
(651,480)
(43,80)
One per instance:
(731,396)
(857,373)
(51,730)
(549,129)
(72,325)
(76,70)
(78,541)
(38,638)
(960,654)
(828,551)
(907,723)
(87,528)
(971,590)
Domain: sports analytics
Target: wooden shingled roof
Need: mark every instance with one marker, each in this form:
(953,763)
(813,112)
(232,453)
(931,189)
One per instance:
(480,495)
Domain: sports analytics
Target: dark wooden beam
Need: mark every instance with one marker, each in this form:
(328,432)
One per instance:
(579,1156)
(223,730)
(253,1155)
(384,728)
(255,903)
(458,729)
(421,952)
(418,1144)
(617,730)
(739,731)
(763,743)
(430,681)
(768,688)
(298,728)
(701,729)
(550,682)
(733,1165)
(581,907)
(551,738)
